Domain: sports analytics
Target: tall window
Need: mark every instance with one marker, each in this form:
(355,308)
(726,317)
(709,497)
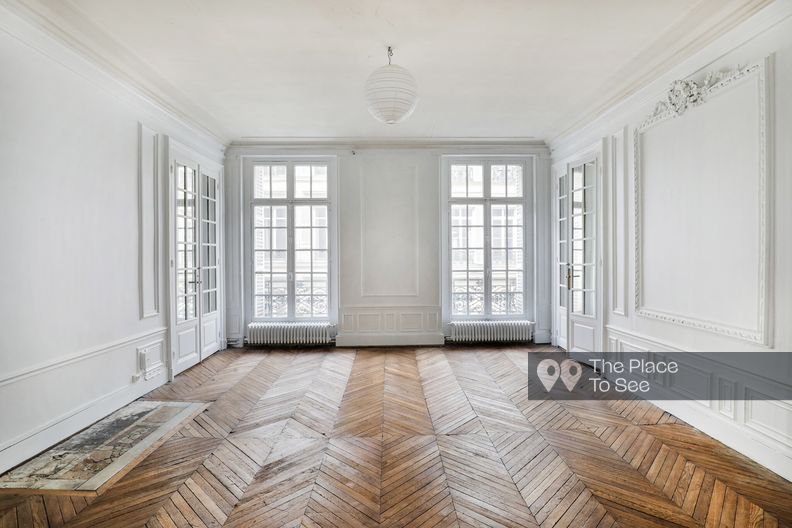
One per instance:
(487,239)
(291,236)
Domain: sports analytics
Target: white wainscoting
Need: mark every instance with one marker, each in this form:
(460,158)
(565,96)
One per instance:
(719,406)
(392,325)
(76,391)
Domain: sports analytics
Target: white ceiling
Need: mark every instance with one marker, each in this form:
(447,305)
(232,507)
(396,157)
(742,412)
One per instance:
(485,69)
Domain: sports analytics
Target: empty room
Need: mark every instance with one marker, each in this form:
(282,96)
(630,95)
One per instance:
(420,263)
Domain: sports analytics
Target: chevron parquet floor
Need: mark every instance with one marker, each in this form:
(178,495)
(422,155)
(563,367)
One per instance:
(426,437)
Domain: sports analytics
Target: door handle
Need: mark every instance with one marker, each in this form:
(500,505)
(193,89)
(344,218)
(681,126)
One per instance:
(569,277)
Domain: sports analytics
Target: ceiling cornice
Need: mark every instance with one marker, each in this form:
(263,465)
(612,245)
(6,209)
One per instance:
(700,27)
(64,22)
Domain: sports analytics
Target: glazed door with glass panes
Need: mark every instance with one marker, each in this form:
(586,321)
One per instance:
(209,265)
(562,260)
(581,265)
(194,263)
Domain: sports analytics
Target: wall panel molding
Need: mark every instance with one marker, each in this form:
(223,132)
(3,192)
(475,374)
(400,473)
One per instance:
(148,221)
(682,96)
(413,264)
(390,325)
(618,215)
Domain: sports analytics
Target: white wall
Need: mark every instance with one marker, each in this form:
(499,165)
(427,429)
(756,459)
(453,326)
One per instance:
(70,298)
(700,198)
(389,235)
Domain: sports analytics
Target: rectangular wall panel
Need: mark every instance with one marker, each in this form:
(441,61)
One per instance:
(148,211)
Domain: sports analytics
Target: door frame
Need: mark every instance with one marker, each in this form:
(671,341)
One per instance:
(203,165)
(592,153)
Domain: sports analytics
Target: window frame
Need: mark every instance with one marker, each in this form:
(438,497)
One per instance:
(248,234)
(527,201)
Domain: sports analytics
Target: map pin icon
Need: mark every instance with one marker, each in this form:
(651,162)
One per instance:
(543,371)
(570,373)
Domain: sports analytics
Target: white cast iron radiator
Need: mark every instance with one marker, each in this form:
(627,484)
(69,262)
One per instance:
(478,331)
(289,333)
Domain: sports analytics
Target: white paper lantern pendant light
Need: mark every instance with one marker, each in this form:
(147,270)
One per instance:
(391,93)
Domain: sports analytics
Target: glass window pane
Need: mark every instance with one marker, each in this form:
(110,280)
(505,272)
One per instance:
(476,259)
(261,216)
(262,284)
(261,306)
(320,285)
(515,215)
(515,237)
(459,259)
(279,284)
(515,303)
(577,177)
(279,181)
(261,261)
(475,181)
(302,215)
(475,237)
(498,215)
(459,282)
(319,215)
(459,304)
(279,216)
(320,306)
(458,237)
(261,181)
(458,181)
(302,181)
(302,305)
(319,181)
(562,296)
(499,281)
(475,215)
(320,261)
(589,298)
(458,214)
(498,235)
(279,261)
(320,238)
(498,181)
(302,238)
(280,306)
(476,282)
(515,259)
(302,261)
(499,259)
(499,304)
(302,284)
(279,239)
(515,181)
(261,239)
(476,304)
(515,283)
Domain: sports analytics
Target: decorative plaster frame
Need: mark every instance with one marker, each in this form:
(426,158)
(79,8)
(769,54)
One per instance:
(685,94)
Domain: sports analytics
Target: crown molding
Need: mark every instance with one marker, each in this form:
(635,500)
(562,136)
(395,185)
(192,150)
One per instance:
(66,24)
(689,35)
(390,142)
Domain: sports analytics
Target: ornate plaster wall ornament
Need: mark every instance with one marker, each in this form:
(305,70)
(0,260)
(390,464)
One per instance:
(684,93)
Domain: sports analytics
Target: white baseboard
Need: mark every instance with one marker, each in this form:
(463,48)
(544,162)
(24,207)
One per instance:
(398,339)
(46,404)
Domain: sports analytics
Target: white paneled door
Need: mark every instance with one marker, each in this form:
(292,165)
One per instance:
(581,266)
(194,261)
